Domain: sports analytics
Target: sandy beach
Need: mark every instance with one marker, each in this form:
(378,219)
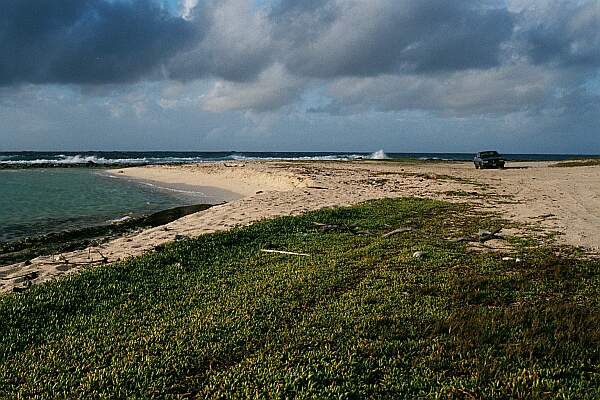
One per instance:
(565,201)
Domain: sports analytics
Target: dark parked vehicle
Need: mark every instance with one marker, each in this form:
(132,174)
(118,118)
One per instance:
(488,159)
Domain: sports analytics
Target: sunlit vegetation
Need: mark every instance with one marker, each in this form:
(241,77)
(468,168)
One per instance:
(361,317)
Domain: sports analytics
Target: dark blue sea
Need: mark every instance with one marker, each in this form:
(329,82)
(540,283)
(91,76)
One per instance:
(39,194)
(108,158)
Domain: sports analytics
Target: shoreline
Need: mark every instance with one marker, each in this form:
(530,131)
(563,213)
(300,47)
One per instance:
(193,191)
(561,201)
(27,224)
(24,249)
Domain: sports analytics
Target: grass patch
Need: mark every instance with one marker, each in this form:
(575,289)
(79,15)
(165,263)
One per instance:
(215,317)
(579,163)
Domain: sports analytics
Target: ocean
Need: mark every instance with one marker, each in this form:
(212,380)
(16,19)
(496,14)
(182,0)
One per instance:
(47,200)
(112,158)
(39,194)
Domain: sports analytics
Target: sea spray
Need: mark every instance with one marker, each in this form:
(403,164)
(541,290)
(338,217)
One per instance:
(378,155)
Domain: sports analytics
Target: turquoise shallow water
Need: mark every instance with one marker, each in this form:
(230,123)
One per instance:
(40,201)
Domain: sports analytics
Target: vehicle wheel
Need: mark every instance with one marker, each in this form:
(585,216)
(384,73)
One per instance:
(476,166)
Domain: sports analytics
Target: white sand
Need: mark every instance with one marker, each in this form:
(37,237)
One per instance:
(563,200)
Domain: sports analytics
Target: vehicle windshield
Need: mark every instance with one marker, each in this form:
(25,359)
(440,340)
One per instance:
(487,154)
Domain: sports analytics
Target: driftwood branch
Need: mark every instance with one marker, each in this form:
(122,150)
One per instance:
(482,237)
(28,276)
(291,253)
(104,258)
(76,264)
(399,230)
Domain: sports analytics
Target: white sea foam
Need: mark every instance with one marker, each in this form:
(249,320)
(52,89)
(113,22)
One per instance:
(64,160)
(175,190)
(122,219)
(378,155)
(434,159)
(79,159)
(332,157)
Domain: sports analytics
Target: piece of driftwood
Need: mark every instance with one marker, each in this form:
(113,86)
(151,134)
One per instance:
(77,264)
(484,236)
(104,258)
(462,239)
(28,276)
(399,230)
(291,253)
(544,216)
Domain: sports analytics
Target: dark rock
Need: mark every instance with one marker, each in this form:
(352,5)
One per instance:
(24,250)
(32,275)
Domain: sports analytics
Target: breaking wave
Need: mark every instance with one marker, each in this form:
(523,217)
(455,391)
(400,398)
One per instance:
(336,157)
(116,159)
(108,159)
(378,155)
(95,160)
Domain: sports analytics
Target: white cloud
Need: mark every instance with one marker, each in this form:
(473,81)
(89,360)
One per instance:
(273,89)
(236,44)
(496,91)
(186,8)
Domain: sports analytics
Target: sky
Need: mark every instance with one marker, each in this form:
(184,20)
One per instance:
(518,76)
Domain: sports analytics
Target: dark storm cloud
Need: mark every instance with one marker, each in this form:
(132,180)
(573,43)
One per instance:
(237,45)
(376,37)
(568,36)
(464,57)
(86,41)
(102,41)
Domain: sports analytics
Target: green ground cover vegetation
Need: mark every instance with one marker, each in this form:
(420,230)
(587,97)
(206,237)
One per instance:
(214,317)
